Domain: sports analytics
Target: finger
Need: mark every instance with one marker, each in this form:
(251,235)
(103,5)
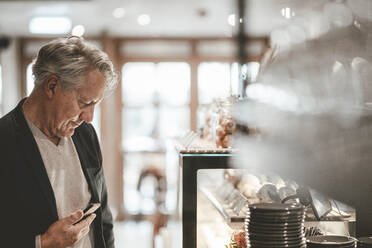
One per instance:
(82,233)
(85,223)
(74,217)
(85,231)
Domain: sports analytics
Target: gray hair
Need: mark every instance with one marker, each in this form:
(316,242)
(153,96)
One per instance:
(70,59)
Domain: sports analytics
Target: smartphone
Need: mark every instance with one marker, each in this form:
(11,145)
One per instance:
(92,207)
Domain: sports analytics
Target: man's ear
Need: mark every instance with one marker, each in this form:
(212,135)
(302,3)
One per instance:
(51,86)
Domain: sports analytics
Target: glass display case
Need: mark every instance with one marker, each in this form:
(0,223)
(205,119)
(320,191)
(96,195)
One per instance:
(224,197)
(215,200)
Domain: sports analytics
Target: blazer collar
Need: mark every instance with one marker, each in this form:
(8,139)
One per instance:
(83,157)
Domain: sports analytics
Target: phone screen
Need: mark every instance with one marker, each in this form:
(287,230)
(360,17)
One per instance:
(92,207)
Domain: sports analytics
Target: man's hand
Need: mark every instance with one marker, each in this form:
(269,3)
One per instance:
(63,232)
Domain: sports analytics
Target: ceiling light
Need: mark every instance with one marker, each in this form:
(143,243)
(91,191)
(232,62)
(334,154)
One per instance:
(50,25)
(118,13)
(78,30)
(287,12)
(143,20)
(231,20)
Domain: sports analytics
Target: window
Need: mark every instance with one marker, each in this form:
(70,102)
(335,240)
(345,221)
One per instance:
(215,80)
(29,80)
(220,80)
(156,98)
(156,105)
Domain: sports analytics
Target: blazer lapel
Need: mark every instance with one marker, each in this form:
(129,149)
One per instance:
(84,165)
(34,160)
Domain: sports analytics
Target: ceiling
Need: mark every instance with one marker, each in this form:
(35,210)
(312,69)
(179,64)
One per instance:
(174,18)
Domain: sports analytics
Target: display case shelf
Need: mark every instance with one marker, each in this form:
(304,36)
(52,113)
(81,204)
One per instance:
(229,202)
(191,143)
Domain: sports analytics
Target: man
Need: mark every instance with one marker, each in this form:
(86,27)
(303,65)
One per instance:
(50,158)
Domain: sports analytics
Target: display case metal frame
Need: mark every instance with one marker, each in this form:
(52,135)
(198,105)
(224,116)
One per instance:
(190,164)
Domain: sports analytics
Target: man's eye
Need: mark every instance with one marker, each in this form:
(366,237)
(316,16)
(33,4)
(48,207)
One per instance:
(83,104)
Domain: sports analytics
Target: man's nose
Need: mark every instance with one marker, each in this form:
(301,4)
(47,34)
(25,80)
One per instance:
(87,114)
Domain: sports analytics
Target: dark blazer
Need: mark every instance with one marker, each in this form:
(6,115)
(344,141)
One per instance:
(27,203)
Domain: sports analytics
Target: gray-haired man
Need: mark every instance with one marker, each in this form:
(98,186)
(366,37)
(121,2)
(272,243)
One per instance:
(50,158)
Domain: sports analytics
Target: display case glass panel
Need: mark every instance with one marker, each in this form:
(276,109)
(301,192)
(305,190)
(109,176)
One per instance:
(224,198)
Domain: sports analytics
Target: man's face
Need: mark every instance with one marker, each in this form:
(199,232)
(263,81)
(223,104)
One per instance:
(75,106)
